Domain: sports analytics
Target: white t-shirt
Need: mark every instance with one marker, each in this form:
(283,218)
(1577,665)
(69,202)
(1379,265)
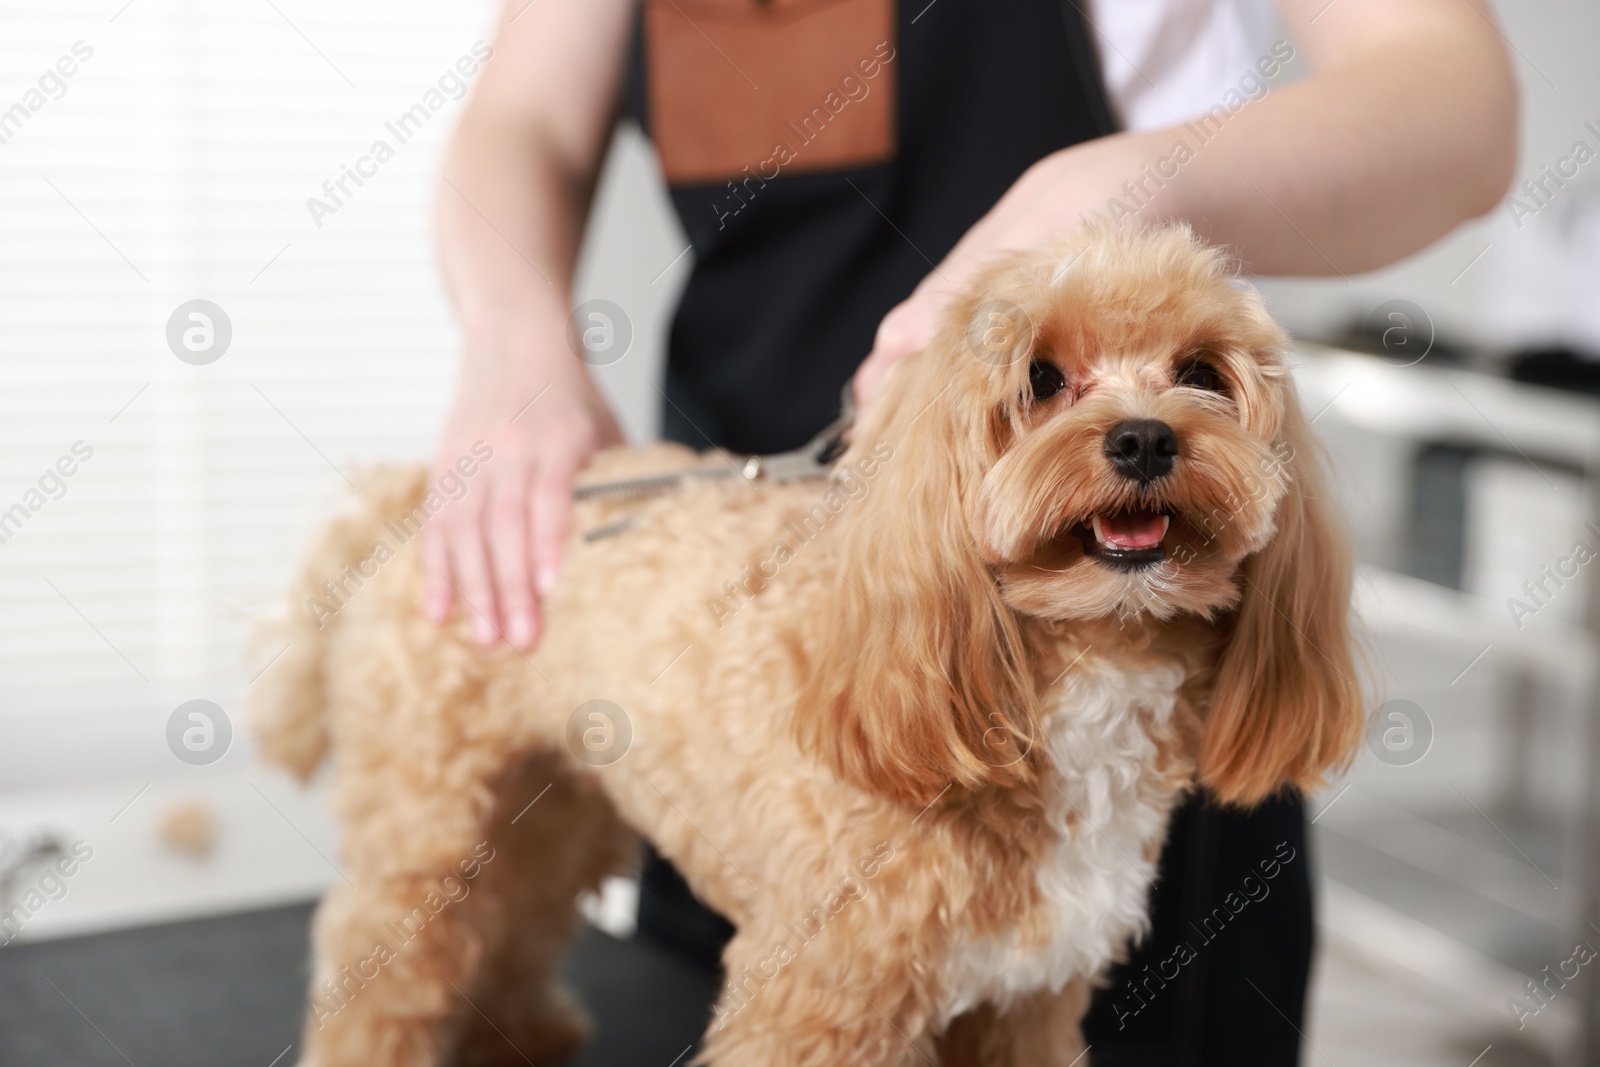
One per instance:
(1165,61)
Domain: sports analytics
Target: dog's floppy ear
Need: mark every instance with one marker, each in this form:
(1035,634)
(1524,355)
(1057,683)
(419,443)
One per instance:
(1286,707)
(916,680)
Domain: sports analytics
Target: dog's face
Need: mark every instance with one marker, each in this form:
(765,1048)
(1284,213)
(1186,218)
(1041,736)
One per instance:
(1134,401)
(1103,429)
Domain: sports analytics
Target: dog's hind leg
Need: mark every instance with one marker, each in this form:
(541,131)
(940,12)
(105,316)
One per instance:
(400,941)
(393,944)
(554,834)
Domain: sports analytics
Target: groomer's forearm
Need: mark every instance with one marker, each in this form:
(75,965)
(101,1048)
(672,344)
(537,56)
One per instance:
(1366,162)
(1311,179)
(510,214)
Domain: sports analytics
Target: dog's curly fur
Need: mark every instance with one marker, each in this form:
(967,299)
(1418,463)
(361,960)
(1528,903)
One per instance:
(922,753)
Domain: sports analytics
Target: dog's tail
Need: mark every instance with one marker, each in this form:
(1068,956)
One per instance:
(288,707)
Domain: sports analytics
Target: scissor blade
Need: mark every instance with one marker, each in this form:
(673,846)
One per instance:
(655,483)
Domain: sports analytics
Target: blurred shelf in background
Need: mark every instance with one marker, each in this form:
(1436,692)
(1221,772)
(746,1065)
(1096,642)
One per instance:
(1463,861)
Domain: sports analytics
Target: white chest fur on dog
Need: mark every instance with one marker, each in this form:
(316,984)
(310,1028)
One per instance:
(1099,737)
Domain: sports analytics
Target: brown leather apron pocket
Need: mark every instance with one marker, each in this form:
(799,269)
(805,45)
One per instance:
(775,86)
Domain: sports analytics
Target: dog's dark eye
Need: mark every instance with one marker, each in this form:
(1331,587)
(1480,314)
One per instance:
(1198,374)
(1045,379)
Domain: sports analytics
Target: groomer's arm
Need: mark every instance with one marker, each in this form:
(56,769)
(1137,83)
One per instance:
(516,185)
(1406,127)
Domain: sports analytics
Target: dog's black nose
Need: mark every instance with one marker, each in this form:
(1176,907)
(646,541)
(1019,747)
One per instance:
(1141,449)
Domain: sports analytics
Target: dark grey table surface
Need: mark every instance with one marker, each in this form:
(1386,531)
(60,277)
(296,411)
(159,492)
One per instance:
(228,992)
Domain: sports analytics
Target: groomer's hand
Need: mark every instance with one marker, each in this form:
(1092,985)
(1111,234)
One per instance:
(499,547)
(909,326)
(1050,198)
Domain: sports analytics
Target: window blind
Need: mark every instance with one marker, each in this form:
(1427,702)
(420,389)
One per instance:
(175,163)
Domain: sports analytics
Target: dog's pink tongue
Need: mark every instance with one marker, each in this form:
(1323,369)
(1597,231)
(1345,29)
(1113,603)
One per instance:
(1133,529)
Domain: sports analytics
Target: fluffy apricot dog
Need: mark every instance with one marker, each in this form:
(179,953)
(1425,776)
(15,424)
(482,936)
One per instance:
(916,729)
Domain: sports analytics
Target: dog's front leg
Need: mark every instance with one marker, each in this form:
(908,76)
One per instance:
(1041,1029)
(788,1002)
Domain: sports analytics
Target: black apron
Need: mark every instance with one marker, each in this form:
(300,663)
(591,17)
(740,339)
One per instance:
(803,239)
(792,275)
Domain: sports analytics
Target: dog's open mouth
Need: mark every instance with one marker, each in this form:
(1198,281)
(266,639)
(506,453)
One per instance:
(1126,540)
